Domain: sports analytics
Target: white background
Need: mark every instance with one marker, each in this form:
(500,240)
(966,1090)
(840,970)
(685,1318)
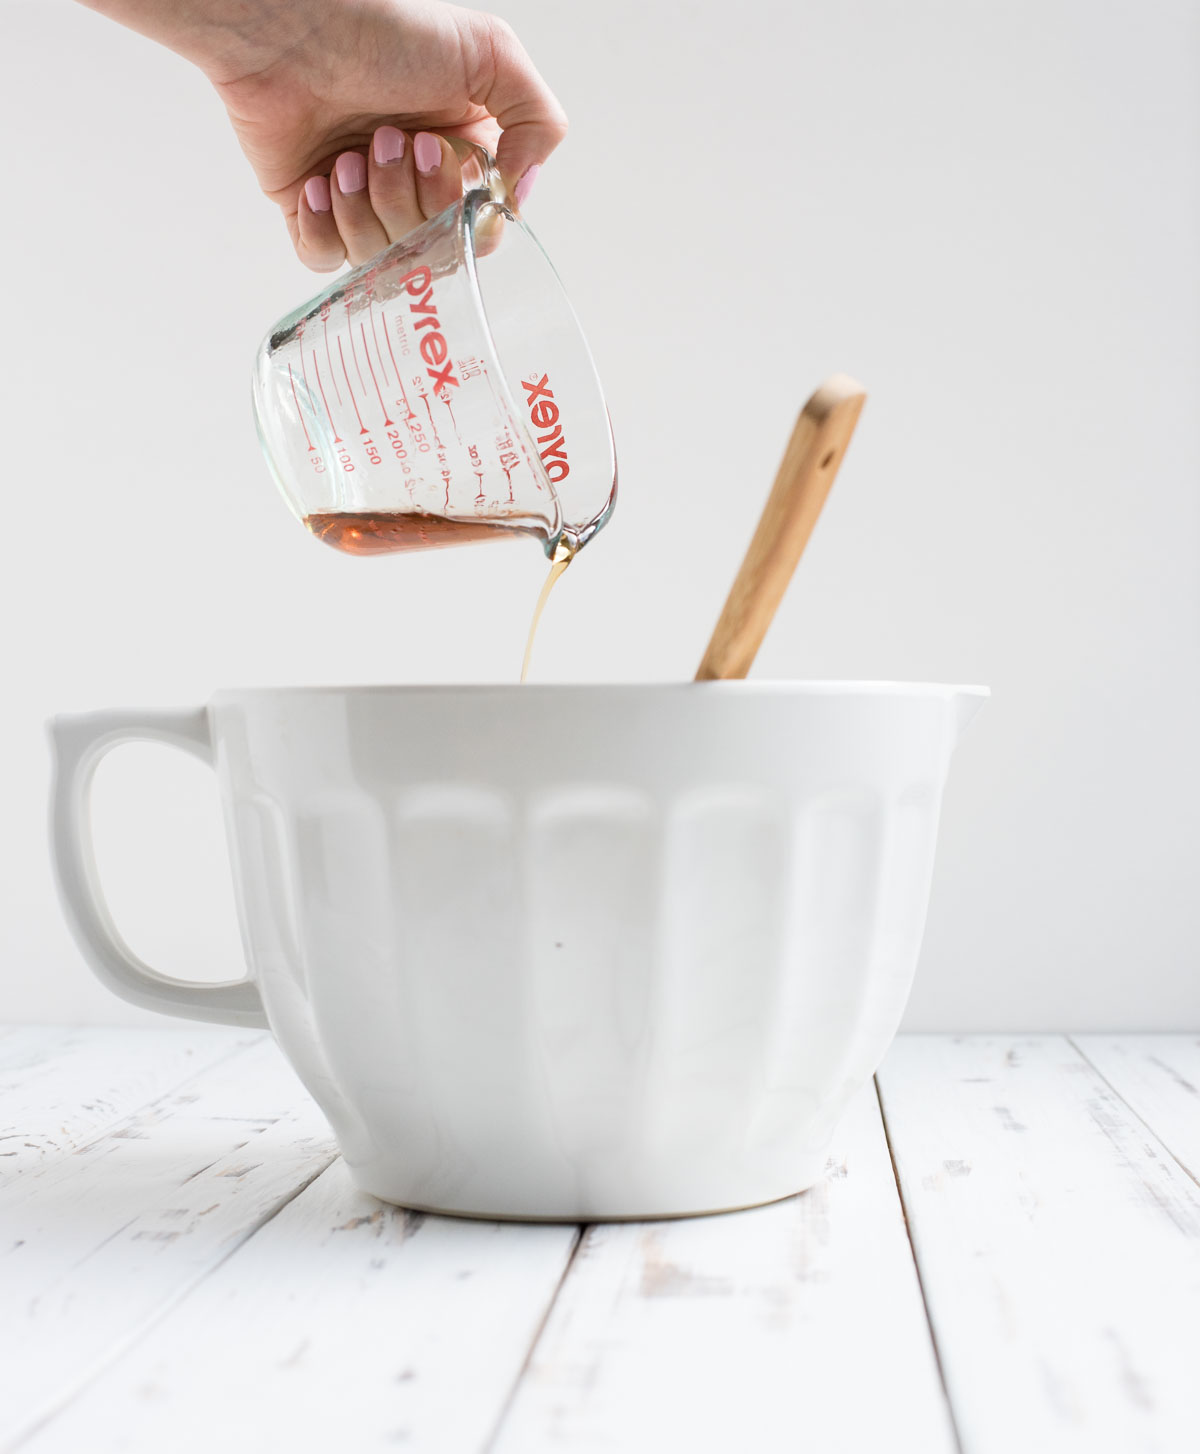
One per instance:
(988,213)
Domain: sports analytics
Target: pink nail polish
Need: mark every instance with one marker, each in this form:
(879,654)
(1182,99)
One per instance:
(316,189)
(427,150)
(525,185)
(351,169)
(389,145)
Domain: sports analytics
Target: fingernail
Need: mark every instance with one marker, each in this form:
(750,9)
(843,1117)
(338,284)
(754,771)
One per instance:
(427,150)
(316,189)
(525,185)
(351,169)
(389,145)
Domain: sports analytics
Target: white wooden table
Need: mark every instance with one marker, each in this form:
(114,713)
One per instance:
(1004,1255)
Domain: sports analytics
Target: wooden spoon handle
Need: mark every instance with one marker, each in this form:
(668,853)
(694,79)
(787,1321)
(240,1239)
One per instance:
(810,465)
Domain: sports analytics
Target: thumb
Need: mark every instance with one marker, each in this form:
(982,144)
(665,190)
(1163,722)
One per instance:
(532,122)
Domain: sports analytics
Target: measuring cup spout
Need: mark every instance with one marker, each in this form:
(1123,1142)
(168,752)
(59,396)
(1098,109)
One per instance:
(579,530)
(967,702)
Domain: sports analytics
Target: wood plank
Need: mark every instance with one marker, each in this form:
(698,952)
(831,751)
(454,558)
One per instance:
(95,1244)
(1159,1077)
(794,1326)
(1058,1244)
(343,1324)
(61,1087)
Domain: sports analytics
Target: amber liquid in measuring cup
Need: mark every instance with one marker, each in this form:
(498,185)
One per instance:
(387,532)
(359,533)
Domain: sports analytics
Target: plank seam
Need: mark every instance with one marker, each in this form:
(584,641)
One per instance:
(1088,1061)
(64,1399)
(912,1247)
(506,1407)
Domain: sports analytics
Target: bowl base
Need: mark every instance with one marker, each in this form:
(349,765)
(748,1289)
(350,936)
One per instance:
(805,1177)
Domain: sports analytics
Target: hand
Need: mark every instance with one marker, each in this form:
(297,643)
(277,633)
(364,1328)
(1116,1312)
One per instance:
(335,103)
(358,98)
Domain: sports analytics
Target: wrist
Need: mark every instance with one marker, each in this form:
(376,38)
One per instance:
(227,39)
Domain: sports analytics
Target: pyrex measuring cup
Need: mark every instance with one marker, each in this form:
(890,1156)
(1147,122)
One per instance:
(440,393)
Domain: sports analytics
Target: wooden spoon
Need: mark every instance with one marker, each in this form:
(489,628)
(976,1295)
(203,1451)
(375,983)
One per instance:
(810,465)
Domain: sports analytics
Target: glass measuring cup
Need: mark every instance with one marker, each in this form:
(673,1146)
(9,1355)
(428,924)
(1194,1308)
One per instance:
(440,393)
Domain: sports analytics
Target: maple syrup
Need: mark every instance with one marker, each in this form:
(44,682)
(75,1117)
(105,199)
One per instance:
(361,532)
(561,559)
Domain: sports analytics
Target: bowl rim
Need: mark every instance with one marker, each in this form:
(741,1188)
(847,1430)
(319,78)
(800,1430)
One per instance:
(765,688)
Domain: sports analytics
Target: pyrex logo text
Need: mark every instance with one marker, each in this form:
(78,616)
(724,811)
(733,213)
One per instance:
(434,350)
(543,414)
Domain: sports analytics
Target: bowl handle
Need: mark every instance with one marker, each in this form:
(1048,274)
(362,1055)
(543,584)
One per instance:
(79,742)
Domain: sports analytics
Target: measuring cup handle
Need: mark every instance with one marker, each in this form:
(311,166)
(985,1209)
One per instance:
(79,743)
(480,171)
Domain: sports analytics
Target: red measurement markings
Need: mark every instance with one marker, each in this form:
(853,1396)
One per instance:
(478,471)
(308,393)
(506,452)
(328,355)
(375,335)
(374,380)
(299,411)
(436,437)
(362,428)
(362,383)
(388,340)
(445,398)
(337,438)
